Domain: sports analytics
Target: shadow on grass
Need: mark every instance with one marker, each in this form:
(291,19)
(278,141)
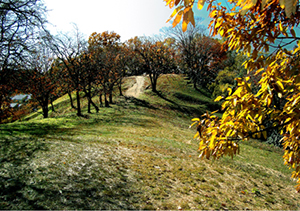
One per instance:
(178,107)
(28,183)
(98,125)
(16,155)
(84,192)
(32,128)
(140,103)
(190,99)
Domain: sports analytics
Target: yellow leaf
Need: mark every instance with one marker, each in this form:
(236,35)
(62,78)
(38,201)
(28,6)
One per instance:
(288,119)
(259,70)
(221,32)
(188,16)
(177,18)
(280,85)
(175,12)
(167,2)
(171,3)
(200,4)
(269,101)
(296,101)
(265,134)
(213,13)
(260,118)
(229,90)
(184,25)
(280,26)
(197,135)
(193,124)
(228,133)
(202,145)
(212,143)
(218,98)
(282,3)
(214,112)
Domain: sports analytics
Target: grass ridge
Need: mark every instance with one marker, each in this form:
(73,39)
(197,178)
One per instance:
(137,154)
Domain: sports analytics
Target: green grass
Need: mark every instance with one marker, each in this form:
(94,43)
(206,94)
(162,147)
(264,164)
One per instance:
(138,154)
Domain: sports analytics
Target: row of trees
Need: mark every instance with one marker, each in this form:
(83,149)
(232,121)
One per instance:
(33,61)
(95,67)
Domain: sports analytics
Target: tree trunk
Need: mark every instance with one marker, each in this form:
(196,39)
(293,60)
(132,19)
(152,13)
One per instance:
(106,101)
(195,86)
(153,81)
(45,106)
(120,90)
(120,87)
(154,86)
(100,100)
(95,106)
(43,101)
(52,106)
(89,106)
(90,101)
(71,100)
(45,111)
(110,97)
(78,103)
(88,96)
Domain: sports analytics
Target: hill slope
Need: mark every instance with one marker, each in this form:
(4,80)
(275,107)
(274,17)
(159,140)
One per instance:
(137,154)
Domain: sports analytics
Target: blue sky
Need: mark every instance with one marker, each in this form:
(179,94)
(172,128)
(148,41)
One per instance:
(128,18)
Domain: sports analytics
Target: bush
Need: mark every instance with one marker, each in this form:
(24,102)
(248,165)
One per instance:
(224,80)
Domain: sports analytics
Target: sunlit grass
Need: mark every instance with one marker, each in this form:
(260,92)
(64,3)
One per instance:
(137,154)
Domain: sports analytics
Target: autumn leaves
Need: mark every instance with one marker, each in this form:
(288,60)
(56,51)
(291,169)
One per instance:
(263,30)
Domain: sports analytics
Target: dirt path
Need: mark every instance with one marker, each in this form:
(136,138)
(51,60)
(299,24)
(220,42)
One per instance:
(137,88)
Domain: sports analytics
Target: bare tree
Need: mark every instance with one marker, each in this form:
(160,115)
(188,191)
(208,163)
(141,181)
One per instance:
(39,79)
(69,49)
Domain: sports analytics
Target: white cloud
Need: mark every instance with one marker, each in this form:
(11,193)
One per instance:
(128,18)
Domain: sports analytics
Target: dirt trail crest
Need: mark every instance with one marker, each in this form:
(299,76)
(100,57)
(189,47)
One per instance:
(137,88)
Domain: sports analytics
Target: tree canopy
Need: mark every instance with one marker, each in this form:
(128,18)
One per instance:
(251,27)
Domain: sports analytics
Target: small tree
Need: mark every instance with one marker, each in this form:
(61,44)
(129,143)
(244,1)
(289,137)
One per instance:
(39,79)
(157,58)
(201,57)
(106,54)
(203,60)
(68,49)
(63,80)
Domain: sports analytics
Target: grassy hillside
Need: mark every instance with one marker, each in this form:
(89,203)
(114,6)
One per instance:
(137,154)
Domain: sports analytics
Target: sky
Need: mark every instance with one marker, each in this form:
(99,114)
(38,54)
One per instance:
(128,18)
